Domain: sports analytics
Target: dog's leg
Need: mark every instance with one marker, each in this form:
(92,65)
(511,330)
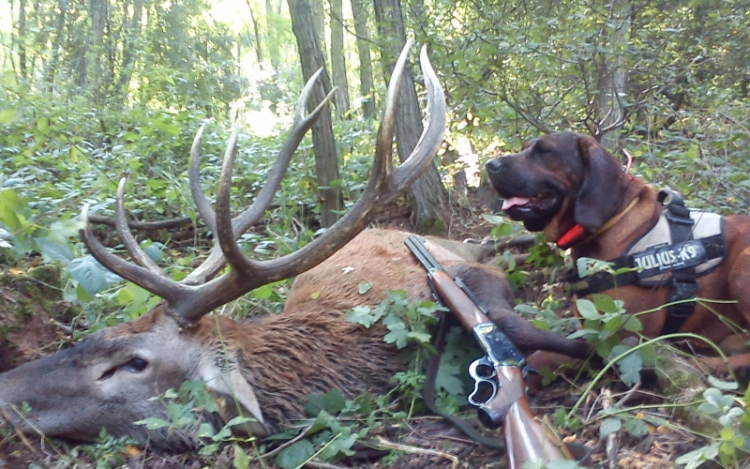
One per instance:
(492,289)
(740,365)
(738,282)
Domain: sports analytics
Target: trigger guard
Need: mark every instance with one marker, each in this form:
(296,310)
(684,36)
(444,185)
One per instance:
(478,380)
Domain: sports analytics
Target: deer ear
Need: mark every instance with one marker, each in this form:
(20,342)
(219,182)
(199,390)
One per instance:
(603,188)
(228,384)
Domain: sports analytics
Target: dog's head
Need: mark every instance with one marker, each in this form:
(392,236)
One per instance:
(557,181)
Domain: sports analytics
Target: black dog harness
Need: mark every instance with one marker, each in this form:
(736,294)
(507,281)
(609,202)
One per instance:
(682,246)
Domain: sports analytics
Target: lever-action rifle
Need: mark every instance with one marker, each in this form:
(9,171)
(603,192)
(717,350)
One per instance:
(499,391)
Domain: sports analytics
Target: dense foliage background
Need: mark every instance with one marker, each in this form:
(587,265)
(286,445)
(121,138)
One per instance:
(91,91)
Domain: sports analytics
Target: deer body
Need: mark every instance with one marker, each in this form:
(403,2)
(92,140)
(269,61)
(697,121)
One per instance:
(280,358)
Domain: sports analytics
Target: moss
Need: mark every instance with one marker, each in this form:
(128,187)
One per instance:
(34,290)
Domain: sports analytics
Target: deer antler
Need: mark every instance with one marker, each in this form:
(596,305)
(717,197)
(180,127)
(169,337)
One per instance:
(197,294)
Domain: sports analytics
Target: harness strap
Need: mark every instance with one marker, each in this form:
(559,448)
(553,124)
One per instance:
(684,282)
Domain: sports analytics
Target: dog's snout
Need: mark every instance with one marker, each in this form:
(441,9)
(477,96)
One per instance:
(495,165)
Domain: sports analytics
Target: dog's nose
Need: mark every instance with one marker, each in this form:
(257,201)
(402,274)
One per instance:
(495,165)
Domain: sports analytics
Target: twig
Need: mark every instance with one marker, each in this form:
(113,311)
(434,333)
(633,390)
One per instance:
(21,435)
(628,395)
(142,225)
(321,465)
(301,435)
(416,450)
(612,442)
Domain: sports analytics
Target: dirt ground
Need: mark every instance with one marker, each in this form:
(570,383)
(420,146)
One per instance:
(35,321)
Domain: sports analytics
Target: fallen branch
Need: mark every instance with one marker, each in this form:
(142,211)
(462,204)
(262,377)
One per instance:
(143,225)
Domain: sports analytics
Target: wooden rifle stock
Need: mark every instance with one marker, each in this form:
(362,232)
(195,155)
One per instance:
(525,439)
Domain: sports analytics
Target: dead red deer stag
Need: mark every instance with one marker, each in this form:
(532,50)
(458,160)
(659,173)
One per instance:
(265,366)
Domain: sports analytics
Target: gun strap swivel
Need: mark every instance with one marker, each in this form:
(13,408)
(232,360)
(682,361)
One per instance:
(466,426)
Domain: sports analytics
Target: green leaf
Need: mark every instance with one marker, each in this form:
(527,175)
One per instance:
(609,425)
(263,293)
(630,367)
(206,430)
(153,423)
(334,401)
(636,427)
(241,460)
(715,397)
(295,455)
(587,266)
(90,274)
(314,404)
(52,250)
(398,335)
(154,251)
(239,420)
(320,422)
(633,324)
(422,337)
(604,303)
(364,287)
(587,309)
(363,316)
(723,385)
(7,115)
(341,445)
(494,219)
(697,457)
(42,124)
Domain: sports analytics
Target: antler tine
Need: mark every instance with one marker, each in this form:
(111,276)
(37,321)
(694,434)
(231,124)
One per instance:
(301,125)
(202,205)
(126,236)
(188,303)
(250,216)
(381,188)
(148,279)
(432,135)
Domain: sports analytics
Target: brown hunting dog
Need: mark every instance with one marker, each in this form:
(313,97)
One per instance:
(569,187)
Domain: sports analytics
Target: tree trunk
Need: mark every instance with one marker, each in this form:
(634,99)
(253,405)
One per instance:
(338,62)
(274,53)
(360,13)
(22,38)
(428,195)
(613,84)
(324,146)
(50,69)
(256,31)
(130,41)
(319,24)
(90,66)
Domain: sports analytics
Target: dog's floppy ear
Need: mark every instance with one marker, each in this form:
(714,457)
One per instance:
(604,185)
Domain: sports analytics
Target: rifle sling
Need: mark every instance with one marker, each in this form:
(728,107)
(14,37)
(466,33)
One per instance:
(465,425)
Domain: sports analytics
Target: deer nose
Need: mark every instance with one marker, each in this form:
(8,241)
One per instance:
(494,166)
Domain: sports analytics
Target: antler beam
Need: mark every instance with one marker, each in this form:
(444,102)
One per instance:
(197,295)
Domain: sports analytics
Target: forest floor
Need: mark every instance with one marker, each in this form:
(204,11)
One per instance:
(34,321)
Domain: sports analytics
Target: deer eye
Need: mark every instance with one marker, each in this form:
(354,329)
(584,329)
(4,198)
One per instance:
(135,365)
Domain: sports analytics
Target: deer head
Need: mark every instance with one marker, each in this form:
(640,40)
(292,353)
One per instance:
(262,367)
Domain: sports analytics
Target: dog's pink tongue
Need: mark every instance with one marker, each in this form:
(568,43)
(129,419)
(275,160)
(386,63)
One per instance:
(514,201)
